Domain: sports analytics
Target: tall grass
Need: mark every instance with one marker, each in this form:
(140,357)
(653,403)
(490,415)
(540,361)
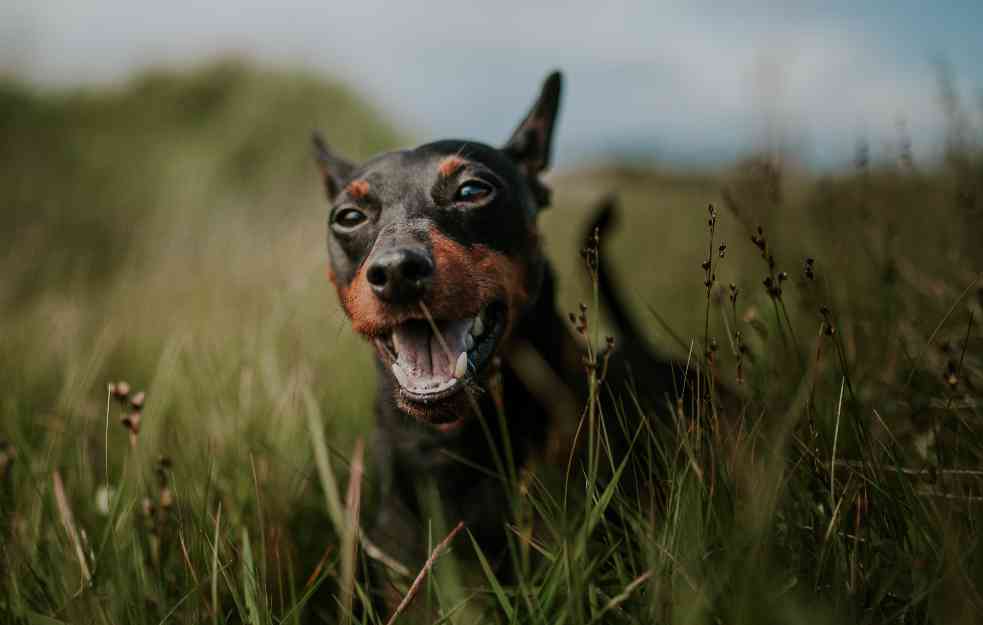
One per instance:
(170,233)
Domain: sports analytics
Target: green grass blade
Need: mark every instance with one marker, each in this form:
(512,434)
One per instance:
(503,600)
(250,591)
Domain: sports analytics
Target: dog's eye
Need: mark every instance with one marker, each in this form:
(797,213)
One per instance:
(473,191)
(349,218)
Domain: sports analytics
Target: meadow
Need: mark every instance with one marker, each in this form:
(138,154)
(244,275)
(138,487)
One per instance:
(169,232)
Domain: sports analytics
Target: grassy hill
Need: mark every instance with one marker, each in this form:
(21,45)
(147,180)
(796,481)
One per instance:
(137,215)
(169,231)
(95,176)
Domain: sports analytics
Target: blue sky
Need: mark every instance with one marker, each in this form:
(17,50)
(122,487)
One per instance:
(689,82)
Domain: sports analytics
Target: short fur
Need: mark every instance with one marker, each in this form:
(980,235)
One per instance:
(463,256)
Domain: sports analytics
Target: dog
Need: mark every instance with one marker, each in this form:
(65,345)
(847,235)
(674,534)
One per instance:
(438,262)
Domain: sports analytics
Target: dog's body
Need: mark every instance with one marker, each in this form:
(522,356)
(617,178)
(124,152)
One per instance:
(444,237)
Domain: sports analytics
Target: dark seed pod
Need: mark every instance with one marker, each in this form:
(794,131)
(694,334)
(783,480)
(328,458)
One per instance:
(809,269)
(120,390)
(950,376)
(8,453)
(132,422)
(147,507)
(166,498)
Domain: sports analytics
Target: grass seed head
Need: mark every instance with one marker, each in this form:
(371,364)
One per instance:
(162,469)
(147,508)
(8,454)
(136,402)
(951,376)
(758,238)
(772,286)
(166,499)
(119,390)
(826,328)
(131,422)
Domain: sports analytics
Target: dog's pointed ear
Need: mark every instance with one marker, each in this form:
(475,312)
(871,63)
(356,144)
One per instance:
(334,169)
(531,143)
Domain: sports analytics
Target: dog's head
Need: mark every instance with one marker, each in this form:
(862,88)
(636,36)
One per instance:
(446,231)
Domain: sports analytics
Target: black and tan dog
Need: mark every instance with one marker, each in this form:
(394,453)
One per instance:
(444,237)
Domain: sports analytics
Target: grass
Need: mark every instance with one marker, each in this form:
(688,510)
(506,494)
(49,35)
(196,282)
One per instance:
(169,232)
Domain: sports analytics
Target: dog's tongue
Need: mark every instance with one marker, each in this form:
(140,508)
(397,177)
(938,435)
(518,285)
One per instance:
(422,364)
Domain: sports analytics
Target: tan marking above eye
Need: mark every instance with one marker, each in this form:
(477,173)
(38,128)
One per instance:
(357,189)
(450,165)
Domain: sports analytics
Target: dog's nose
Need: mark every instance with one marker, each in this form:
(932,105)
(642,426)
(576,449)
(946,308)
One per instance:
(400,276)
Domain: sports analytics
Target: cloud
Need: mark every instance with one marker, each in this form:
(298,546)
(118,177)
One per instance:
(666,76)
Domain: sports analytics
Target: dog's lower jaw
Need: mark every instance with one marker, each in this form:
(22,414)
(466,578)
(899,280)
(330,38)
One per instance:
(445,415)
(448,414)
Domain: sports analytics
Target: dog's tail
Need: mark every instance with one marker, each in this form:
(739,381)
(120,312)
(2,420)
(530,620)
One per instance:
(596,237)
(640,354)
(666,374)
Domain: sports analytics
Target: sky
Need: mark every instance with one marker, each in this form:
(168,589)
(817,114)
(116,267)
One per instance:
(688,83)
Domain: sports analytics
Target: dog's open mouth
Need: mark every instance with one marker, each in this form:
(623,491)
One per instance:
(429,367)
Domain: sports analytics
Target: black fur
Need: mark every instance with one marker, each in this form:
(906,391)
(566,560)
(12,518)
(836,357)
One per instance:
(407,199)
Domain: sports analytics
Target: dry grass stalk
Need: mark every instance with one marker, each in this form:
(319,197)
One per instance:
(350,538)
(68,521)
(418,582)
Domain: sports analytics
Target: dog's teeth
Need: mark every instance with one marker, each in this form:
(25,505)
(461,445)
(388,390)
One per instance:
(461,367)
(478,328)
(469,342)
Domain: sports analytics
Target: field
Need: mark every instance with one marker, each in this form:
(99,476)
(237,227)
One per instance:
(169,233)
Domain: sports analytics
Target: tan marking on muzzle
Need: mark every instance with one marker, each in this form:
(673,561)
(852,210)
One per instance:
(466,279)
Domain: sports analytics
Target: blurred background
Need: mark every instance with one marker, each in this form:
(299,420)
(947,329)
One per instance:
(687,83)
(163,223)
(163,220)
